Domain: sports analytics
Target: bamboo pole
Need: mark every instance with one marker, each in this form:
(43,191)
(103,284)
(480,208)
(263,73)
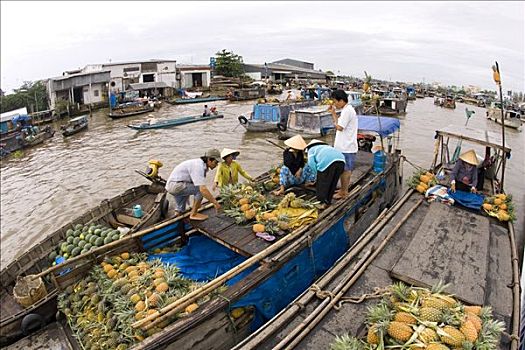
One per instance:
(515,336)
(502,129)
(297,335)
(188,299)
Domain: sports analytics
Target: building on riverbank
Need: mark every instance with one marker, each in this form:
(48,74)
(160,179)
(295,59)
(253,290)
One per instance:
(194,76)
(285,70)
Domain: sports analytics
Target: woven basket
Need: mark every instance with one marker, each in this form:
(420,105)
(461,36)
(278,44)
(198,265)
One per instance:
(29,291)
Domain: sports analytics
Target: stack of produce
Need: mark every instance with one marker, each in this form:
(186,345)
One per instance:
(500,206)
(419,318)
(82,239)
(422,180)
(123,289)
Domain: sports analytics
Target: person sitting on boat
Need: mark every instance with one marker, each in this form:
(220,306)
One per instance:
(329,164)
(464,176)
(213,110)
(294,170)
(207,111)
(229,170)
(189,178)
(345,137)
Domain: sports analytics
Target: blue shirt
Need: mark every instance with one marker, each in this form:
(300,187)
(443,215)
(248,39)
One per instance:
(320,157)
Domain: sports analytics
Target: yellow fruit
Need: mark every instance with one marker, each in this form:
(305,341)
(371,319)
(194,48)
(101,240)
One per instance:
(430,175)
(268,215)
(123,266)
(430,314)
(428,335)
(487,206)
(131,268)
(139,315)
(151,312)
(192,307)
(249,214)
(158,281)
(503,216)
(283,225)
(372,336)
(424,178)
(243,201)
(475,309)
(503,206)
(469,331)
(423,184)
(501,196)
(135,298)
(107,268)
(258,228)
(133,273)
(400,331)
(161,288)
(112,273)
(124,256)
(154,299)
(435,302)
(420,189)
(476,321)
(158,274)
(437,346)
(453,336)
(140,306)
(238,312)
(245,207)
(498,201)
(405,317)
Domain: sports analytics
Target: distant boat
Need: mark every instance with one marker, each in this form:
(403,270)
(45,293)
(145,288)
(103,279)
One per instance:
(247,94)
(512,117)
(75,125)
(128,111)
(167,123)
(179,101)
(449,102)
(392,106)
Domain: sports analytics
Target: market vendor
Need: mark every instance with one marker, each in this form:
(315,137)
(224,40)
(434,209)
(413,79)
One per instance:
(329,164)
(229,170)
(464,176)
(189,178)
(294,171)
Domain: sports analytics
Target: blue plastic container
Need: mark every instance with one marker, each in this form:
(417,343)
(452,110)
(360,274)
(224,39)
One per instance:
(379,161)
(137,211)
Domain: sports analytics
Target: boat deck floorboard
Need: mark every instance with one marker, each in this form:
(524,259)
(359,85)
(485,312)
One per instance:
(240,238)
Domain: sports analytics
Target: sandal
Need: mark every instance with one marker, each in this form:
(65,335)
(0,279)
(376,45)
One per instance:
(266,236)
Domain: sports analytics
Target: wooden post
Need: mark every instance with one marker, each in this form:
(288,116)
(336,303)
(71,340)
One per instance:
(502,131)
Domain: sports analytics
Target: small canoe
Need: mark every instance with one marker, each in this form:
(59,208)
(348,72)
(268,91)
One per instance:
(180,101)
(75,125)
(17,321)
(130,111)
(173,122)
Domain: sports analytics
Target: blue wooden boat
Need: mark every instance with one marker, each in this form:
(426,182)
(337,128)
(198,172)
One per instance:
(179,101)
(173,122)
(75,125)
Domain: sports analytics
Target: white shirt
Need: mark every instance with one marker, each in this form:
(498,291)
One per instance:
(346,139)
(191,171)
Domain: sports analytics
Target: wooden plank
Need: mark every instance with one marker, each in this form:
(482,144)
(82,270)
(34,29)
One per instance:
(450,245)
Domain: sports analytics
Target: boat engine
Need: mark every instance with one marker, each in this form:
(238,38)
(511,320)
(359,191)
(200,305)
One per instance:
(365,142)
(152,171)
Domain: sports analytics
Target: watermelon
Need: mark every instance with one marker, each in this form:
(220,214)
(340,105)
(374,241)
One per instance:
(107,240)
(69,232)
(81,244)
(75,251)
(87,246)
(69,248)
(115,237)
(70,239)
(97,231)
(76,240)
(63,246)
(93,239)
(88,237)
(84,251)
(78,226)
(53,256)
(85,229)
(99,242)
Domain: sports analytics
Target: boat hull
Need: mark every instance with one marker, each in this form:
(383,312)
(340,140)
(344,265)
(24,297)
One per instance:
(67,132)
(181,101)
(509,123)
(174,122)
(117,115)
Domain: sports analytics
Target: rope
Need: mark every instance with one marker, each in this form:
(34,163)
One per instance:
(321,294)
(413,164)
(378,293)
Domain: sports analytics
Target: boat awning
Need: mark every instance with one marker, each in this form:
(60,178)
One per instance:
(479,136)
(11,114)
(383,126)
(150,85)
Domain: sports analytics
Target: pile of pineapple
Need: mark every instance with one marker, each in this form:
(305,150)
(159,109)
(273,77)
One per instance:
(500,206)
(419,318)
(120,291)
(422,180)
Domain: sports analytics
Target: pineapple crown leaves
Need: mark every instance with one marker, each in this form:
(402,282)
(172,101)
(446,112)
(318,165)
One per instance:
(347,342)
(379,313)
(440,287)
(485,313)
(400,291)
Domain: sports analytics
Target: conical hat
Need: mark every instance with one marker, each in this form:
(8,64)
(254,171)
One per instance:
(227,151)
(296,142)
(315,142)
(469,157)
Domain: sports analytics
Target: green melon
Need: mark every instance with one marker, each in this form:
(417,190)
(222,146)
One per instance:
(115,237)
(87,246)
(78,226)
(97,231)
(107,240)
(75,251)
(69,232)
(63,246)
(81,243)
(69,248)
(93,239)
(70,239)
(99,242)
(52,256)
(76,240)
(84,251)
(85,228)
(88,237)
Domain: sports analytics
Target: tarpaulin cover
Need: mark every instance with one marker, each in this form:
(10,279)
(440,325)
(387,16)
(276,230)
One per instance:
(467,199)
(384,126)
(203,259)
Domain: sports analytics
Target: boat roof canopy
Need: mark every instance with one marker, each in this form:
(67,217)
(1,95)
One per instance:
(383,126)
(479,136)
(82,117)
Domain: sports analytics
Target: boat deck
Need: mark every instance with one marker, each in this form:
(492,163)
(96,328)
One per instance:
(461,247)
(240,238)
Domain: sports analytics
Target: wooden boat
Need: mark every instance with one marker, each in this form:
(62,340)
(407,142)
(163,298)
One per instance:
(129,111)
(17,321)
(247,94)
(293,260)
(512,117)
(167,123)
(179,101)
(312,122)
(418,243)
(267,116)
(75,125)
(392,106)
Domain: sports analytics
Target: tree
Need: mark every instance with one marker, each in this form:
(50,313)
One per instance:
(228,64)
(32,95)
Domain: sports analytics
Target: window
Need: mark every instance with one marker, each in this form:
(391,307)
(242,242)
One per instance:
(148,78)
(131,69)
(95,93)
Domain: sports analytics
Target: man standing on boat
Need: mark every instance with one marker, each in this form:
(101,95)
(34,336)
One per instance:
(345,137)
(189,178)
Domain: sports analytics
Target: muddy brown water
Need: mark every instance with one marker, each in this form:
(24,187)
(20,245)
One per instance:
(55,182)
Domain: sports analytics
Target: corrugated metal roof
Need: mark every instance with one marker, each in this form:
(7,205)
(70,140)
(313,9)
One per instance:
(11,114)
(64,77)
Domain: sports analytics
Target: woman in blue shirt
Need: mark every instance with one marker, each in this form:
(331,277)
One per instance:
(329,164)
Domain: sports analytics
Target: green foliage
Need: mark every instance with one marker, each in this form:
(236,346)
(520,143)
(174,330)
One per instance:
(32,95)
(228,64)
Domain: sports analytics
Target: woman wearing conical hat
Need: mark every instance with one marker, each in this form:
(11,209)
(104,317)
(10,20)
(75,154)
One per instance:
(464,176)
(229,170)
(294,171)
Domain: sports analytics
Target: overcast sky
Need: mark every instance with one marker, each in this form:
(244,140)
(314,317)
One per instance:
(449,42)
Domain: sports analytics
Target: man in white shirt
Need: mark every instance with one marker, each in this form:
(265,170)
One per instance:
(345,137)
(188,178)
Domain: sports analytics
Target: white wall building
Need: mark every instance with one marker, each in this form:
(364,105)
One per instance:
(194,76)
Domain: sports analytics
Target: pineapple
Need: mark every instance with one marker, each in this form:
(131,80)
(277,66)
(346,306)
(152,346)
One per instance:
(434,302)
(405,318)
(428,335)
(430,314)
(436,346)
(451,336)
(399,331)
(476,310)
(475,320)
(469,330)
(372,336)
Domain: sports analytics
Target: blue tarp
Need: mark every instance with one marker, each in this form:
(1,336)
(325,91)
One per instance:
(384,126)
(467,199)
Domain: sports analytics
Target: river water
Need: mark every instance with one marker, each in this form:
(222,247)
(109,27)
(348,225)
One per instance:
(55,182)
